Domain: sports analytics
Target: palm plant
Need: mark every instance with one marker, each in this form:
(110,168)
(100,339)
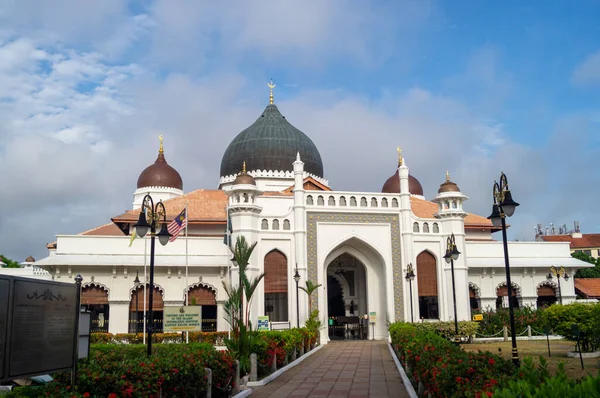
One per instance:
(242,252)
(309,289)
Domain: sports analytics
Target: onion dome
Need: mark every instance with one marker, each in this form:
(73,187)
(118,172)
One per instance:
(244,178)
(271,143)
(448,186)
(160,174)
(30,259)
(392,185)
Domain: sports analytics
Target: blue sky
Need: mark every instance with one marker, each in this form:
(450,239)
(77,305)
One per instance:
(470,86)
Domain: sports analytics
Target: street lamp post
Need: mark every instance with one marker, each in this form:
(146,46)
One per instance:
(452,254)
(157,216)
(410,276)
(297,279)
(137,283)
(504,206)
(558,273)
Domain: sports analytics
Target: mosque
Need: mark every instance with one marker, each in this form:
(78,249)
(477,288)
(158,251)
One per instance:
(358,245)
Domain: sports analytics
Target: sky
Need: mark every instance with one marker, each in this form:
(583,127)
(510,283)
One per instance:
(475,88)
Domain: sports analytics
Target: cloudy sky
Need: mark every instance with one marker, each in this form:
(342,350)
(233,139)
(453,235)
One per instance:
(473,87)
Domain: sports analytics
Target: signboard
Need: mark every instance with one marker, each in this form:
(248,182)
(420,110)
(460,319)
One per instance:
(263,323)
(478,317)
(85,327)
(37,333)
(182,319)
(373,317)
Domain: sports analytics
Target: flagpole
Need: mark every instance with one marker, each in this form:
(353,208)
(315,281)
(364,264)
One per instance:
(187,335)
(145,283)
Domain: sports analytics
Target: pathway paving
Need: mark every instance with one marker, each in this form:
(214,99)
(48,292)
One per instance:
(353,369)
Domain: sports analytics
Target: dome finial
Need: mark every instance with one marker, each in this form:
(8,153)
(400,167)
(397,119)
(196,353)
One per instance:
(447,176)
(400,160)
(271,87)
(244,167)
(160,149)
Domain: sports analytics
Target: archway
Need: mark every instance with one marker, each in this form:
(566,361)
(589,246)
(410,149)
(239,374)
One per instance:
(427,284)
(276,286)
(502,296)
(205,296)
(474,298)
(546,294)
(347,300)
(94,298)
(137,308)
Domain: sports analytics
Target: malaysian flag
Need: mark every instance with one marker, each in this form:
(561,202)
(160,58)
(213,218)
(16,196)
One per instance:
(177,225)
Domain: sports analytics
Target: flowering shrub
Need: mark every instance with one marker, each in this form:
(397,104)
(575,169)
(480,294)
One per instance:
(494,321)
(282,343)
(444,369)
(446,329)
(214,338)
(125,371)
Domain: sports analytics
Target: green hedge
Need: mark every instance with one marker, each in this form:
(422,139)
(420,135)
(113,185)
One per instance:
(466,329)
(560,318)
(214,338)
(494,321)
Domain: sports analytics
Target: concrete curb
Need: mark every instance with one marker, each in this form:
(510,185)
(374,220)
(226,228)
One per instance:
(281,371)
(246,393)
(407,384)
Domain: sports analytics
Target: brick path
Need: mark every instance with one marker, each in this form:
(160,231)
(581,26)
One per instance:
(354,369)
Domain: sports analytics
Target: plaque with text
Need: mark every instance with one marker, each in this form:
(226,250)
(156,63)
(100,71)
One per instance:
(43,327)
(4,288)
(185,318)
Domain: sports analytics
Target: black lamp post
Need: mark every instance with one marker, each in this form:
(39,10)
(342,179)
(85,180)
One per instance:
(297,279)
(137,283)
(504,206)
(158,218)
(558,273)
(410,276)
(451,255)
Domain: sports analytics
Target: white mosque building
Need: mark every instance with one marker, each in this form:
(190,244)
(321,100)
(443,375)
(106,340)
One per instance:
(358,245)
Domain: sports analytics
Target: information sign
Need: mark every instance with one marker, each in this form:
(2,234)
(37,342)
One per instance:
(182,319)
(478,317)
(263,323)
(373,317)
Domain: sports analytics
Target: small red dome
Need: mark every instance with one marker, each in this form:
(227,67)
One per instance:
(392,185)
(160,174)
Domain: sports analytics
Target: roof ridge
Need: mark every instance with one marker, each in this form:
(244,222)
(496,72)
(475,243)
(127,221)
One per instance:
(95,228)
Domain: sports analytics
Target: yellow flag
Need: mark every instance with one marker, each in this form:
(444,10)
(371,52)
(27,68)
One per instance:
(133,236)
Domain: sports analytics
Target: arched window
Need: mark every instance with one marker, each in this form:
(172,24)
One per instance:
(474,299)
(276,225)
(264,224)
(309,200)
(353,201)
(427,286)
(206,297)
(394,202)
(454,206)
(363,202)
(276,284)
(137,305)
(436,228)
(384,202)
(446,205)
(342,201)
(95,299)
(425,227)
(320,201)
(331,201)
(416,227)
(546,295)
(502,296)
(286,225)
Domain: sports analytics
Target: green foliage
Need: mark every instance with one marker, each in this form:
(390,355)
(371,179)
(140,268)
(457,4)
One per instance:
(310,288)
(443,367)
(466,329)
(125,371)
(242,344)
(313,323)
(493,321)
(559,319)
(213,338)
(9,263)
(536,382)
(587,272)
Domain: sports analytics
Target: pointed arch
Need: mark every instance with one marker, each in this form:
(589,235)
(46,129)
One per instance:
(276,286)
(474,297)
(96,284)
(502,291)
(427,285)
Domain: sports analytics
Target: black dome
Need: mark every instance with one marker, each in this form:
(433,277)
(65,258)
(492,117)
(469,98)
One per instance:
(271,143)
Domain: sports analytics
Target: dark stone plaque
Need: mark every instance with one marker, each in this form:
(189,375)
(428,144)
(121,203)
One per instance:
(4,285)
(43,327)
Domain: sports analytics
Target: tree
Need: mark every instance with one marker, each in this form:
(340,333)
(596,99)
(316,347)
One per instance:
(309,289)
(9,263)
(587,272)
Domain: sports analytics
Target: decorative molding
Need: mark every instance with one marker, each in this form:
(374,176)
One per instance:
(475,289)
(199,284)
(516,287)
(92,283)
(551,284)
(273,174)
(313,218)
(160,289)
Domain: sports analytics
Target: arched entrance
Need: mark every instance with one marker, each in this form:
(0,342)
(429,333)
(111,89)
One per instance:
(94,298)
(346,298)
(205,296)
(474,298)
(502,296)
(546,295)
(137,309)
(276,286)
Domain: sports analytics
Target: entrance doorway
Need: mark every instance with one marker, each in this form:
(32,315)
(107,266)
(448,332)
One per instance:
(346,299)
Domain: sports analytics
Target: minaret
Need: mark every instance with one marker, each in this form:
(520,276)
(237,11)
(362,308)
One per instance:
(299,236)
(449,200)
(406,233)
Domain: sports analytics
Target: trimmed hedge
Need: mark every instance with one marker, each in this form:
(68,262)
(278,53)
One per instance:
(466,329)
(560,318)
(494,321)
(443,369)
(214,338)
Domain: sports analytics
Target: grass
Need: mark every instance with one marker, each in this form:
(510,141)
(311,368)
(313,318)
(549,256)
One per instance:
(536,348)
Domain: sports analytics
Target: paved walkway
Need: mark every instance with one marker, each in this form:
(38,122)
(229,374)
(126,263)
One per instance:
(354,369)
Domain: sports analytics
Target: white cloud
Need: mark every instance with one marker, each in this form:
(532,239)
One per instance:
(588,72)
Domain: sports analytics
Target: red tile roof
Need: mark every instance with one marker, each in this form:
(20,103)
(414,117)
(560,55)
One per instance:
(588,287)
(426,209)
(586,240)
(104,230)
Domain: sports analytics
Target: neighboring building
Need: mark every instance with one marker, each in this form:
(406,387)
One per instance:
(584,243)
(588,288)
(357,244)
(27,270)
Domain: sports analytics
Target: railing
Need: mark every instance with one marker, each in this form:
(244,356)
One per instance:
(99,326)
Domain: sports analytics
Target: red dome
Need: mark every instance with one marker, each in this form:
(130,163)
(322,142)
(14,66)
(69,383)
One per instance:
(392,185)
(160,174)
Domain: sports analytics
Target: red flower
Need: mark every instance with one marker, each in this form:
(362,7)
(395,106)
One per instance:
(86,394)
(491,361)
(113,395)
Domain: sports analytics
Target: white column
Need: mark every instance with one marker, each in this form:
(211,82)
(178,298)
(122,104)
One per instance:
(222,324)
(299,242)
(118,321)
